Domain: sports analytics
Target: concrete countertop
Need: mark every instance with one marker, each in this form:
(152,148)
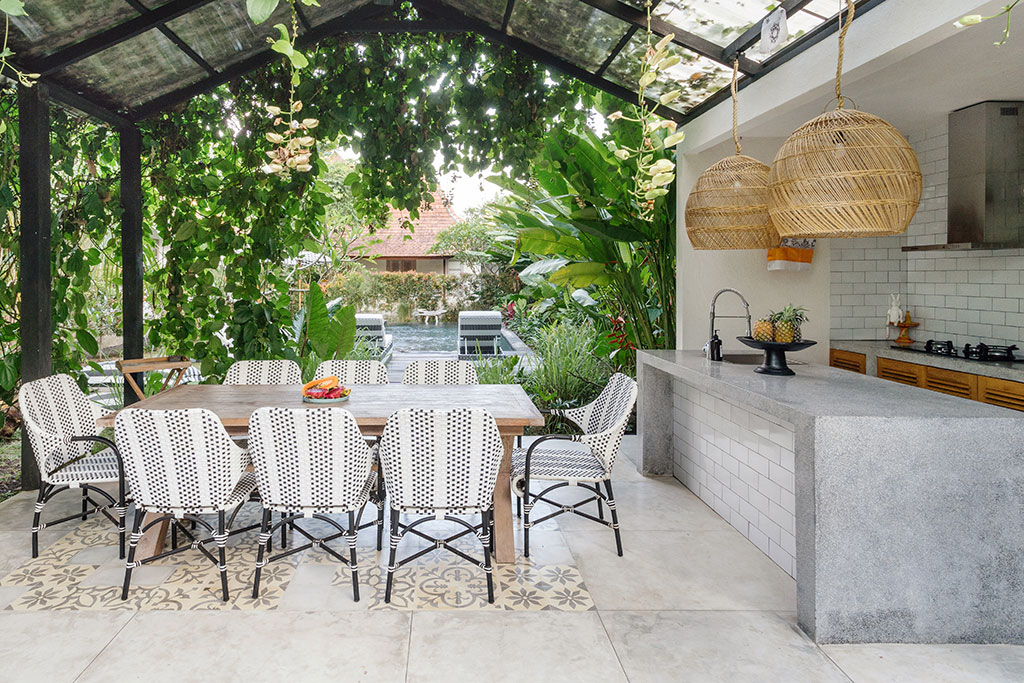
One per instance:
(880,348)
(816,391)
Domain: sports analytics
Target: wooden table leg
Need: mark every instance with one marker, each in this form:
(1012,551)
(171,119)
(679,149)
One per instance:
(152,542)
(504,541)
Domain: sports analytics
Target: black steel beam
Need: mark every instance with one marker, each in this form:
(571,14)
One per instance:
(811,38)
(412,26)
(36,322)
(544,57)
(623,42)
(174,38)
(131,251)
(330,28)
(753,34)
(509,6)
(114,35)
(82,103)
(684,38)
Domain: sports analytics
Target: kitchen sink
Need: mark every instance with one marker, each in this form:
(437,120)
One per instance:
(743,358)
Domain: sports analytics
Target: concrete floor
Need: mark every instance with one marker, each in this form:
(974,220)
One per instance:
(692,600)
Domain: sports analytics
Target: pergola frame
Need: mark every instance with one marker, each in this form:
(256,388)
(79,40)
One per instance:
(436,16)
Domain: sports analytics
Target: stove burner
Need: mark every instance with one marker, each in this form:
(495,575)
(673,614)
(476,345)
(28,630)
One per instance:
(941,348)
(990,353)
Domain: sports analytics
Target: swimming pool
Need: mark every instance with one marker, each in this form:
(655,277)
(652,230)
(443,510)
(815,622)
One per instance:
(413,338)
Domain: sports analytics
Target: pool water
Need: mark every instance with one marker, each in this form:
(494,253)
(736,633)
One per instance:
(419,338)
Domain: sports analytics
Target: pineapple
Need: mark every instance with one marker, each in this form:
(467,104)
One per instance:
(764,329)
(788,322)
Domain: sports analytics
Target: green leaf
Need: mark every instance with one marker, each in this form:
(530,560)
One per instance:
(87,342)
(259,10)
(581,275)
(15,8)
(298,60)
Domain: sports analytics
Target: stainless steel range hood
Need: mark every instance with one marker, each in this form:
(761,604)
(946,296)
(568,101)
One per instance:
(986,178)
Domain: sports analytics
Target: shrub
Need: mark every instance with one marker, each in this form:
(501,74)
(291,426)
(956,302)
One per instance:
(568,372)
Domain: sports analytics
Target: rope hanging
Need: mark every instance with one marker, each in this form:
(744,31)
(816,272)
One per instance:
(846,173)
(728,206)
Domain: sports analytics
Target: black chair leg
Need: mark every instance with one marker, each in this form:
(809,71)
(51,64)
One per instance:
(615,516)
(391,557)
(600,507)
(353,534)
(519,507)
(526,519)
(381,497)
(222,541)
(284,538)
(85,504)
(263,548)
(40,502)
(132,543)
(486,520)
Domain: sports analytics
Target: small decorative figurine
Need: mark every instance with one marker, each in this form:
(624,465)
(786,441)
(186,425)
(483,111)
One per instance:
(905,326)
(895,314)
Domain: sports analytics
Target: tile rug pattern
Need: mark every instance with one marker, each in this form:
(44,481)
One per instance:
(436,581)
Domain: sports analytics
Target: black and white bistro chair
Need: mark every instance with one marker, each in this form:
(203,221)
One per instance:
(61,425)
(264,372)
(440,371)
(311,464)
(354,371)
(603,423)
(438,464)
(182,464)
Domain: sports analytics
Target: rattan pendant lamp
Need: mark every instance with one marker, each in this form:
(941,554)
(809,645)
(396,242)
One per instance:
(844,174)
(728,206)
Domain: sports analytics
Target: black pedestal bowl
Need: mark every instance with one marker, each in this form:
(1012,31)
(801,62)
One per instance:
(775,354)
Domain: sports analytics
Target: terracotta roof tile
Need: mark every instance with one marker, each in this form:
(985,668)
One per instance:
(426,228)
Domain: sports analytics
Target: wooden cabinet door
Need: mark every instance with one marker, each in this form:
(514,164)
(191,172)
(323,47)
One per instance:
(848,360)
(951,382)
(898,371)
(1001,392)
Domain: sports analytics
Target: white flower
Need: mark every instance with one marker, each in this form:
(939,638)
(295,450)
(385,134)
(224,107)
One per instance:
(669,125)
(665,41)
(273,111)
(310,123)
(669,62)
(615,116)
(969,20)
(647,79)
(675,138)
(661,166)
(303,167)
(670,96)
(622,154)
(655,193)
(274,138)
(663,179)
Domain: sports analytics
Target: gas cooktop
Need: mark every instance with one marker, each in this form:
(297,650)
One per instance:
(991,353)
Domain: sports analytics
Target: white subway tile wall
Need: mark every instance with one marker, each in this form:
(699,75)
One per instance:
(965,296)
(741,463)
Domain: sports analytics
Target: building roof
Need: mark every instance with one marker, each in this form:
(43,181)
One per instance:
(398,242)
(125,60)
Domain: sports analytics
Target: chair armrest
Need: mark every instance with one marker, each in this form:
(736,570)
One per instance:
(537,442)
(95,439)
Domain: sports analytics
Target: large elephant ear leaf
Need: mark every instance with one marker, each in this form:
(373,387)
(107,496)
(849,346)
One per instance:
(581,275)
(260,10)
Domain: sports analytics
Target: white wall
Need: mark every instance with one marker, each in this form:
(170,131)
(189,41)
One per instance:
(702,273)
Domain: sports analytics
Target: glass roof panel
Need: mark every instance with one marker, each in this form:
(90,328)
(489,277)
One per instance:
(492,12)
(222,33)
(330,9)
(135,71)
(813,15)
(720,21)
(51,26)
(567,28)
(697,76)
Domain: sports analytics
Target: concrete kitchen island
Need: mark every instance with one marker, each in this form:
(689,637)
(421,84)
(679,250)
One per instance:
(899,511)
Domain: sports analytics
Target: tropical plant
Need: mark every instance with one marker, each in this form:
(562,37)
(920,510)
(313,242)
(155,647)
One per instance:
(471,239)
(581,217)
(568,371)
(321,333)
(12,8)
(498,370)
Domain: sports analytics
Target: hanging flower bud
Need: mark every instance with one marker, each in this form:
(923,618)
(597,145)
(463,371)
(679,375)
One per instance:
(669,125)
(675,138)
(615,116)
(297,107)
(647,79)
(622,154)
(661,166)
(669,62)
(303,167)
(670,96)
(274,138)
(310,123)
(969,20)
(655,193)
(273,111)
(661,44)
(663,179)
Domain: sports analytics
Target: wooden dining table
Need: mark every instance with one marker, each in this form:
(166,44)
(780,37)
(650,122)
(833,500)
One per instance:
(371,405)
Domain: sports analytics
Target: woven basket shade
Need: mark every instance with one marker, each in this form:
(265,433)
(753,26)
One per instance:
(728,207)
(844,174)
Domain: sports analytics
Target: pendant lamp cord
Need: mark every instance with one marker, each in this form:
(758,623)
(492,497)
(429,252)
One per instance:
(845,26)
(735,105)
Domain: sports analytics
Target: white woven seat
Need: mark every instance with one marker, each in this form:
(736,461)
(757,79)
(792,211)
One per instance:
(264,372)
(354,371)
(441,463)
(603,423)
(182,464)
(440,371)
(558,464)
(97,468)
(60,423)
(311,463)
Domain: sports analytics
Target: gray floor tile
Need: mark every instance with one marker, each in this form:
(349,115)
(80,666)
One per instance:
(716,570)
(55,646)
(112,574)
(716,647)
(257,646)
(930,663)
(518,646)
(310,589)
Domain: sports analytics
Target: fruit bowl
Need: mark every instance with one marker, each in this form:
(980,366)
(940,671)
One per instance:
(775,354)
(325,391)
